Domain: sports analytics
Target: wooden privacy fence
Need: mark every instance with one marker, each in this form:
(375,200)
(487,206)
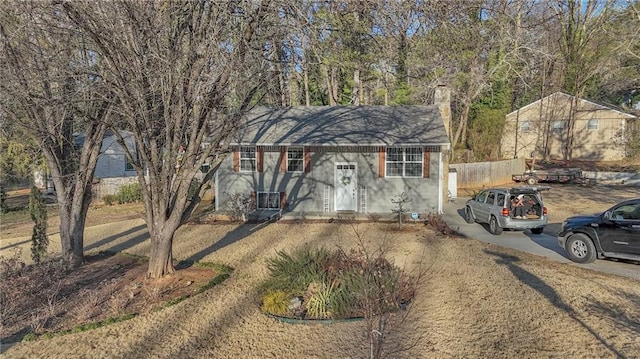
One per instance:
(487,174)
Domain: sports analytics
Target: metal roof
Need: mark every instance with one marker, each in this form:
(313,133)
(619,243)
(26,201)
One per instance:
(344,126)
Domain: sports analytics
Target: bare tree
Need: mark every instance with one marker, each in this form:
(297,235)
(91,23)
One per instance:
(586,50)
(185,73)
(47,90)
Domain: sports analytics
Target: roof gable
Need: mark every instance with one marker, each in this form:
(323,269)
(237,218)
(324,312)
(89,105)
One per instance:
(344,125)
(584,104)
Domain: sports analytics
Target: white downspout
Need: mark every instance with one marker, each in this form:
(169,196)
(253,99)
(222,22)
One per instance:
(216,199)
(440,182)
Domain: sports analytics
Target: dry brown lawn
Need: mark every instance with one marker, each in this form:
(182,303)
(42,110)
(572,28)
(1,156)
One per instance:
(475,300)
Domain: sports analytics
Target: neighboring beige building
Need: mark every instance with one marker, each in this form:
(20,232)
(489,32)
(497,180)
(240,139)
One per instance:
(544,127)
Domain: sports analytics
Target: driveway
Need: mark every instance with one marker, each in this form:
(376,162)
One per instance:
(545,244)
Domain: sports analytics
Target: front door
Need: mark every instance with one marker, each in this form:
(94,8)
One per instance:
(346,199)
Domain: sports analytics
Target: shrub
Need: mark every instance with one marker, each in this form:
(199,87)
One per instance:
(319,303)
(293,273)
(374,217)
(4,208)
(194,188)
(129,193)
(276,302)
(338,285)
(38,212)
(239,206)
(437,222)
(109,199)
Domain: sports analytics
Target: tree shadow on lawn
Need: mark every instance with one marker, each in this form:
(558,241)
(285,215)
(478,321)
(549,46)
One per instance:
(240,232)
(552,296)
(232,313)
(124,245)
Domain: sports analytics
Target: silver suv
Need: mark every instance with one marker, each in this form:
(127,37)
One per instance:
(498,208)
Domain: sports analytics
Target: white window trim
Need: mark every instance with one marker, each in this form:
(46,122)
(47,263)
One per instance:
(526,128)
(254,159)
(404,162)
(267,194)
(597,123)
(301,149)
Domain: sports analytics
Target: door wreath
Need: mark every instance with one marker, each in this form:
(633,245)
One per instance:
(345,180)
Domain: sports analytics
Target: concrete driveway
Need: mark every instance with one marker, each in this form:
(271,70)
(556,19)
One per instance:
(545,244)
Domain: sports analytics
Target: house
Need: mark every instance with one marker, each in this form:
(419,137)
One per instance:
(112,162)
(544,129)
(352,159)
(112,168)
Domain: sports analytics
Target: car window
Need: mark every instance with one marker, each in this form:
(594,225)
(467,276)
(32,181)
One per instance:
(627,212)
(491,197)
(482,196)
(500,199)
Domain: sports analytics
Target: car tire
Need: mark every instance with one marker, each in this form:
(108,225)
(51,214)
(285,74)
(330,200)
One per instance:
(580,248)
(468,215)
(532,180)
(537,230)
(494,226)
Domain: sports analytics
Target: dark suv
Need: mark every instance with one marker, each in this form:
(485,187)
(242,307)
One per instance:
(614,233)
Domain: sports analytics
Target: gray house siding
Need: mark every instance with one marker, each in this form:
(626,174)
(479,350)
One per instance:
(112,162)
(315,191)
(341,155)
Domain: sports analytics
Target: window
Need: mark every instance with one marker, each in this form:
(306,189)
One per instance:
(630,212)
(404,162)
(205,168)
(295,160)
(557,126)
(525,126)
(500,200)
(268,200)
(128,167)
(592,124)
(482,196)
(247,159)
(491,198)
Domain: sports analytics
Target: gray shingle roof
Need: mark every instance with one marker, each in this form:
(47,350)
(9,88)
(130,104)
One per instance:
(344,125)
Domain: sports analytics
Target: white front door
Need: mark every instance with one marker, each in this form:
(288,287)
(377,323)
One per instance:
(346,196)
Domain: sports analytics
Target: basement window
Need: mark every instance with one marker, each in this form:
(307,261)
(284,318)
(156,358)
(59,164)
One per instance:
(268,200)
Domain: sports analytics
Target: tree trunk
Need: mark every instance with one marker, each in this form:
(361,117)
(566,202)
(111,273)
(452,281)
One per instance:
(307,96)
(161,256)
(65,228)
(327,81)
(355,97)
(79,209)
(334,85)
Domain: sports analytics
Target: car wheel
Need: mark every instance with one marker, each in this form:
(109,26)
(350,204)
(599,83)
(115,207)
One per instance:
(494,227)
(537,230)
(468,216)
(580,248)
(532,180)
